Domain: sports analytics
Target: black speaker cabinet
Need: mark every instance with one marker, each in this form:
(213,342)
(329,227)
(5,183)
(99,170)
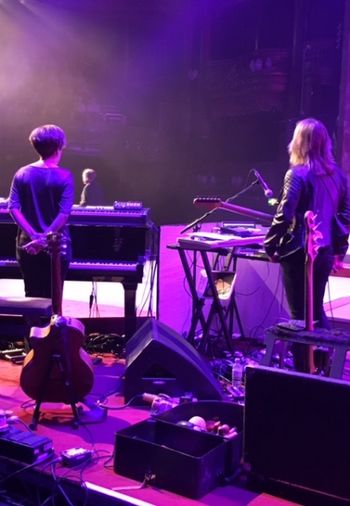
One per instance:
(297,429)
(158,360)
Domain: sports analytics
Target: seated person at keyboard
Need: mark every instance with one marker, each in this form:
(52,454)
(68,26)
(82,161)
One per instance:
(313,182)
(92,192)
(40,201)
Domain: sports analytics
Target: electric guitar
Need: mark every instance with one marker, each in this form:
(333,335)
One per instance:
(311,250)
(211,203)
(57,369)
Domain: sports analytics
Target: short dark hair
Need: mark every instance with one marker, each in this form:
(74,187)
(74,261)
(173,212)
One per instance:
(47,139)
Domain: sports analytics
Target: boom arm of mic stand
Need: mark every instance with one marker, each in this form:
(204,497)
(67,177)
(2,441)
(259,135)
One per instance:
(196,221)
(253,183)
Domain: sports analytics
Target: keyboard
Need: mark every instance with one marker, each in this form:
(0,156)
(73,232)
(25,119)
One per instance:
(212,240)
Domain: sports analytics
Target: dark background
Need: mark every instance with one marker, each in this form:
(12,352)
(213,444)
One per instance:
(168,99)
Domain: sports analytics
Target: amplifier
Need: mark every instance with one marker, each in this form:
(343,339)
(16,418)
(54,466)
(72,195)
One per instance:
(296,432)
(25,446)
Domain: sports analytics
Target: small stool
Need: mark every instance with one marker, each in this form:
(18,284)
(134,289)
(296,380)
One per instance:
(291,333)
(30,309)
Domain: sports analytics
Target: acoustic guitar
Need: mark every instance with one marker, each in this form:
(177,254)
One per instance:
(57,369)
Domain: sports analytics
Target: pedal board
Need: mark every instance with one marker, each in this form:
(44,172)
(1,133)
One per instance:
(25,446)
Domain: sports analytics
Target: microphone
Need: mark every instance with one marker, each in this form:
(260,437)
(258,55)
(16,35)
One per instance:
(267,190)
(273,202)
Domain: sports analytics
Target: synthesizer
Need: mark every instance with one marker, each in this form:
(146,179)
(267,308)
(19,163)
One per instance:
(98,215)
(108,215)
(98,233)
(251,253)
(84,271)
(212,240)
(108,244)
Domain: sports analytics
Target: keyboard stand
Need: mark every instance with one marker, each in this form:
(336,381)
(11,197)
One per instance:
(217,308)
(130,319)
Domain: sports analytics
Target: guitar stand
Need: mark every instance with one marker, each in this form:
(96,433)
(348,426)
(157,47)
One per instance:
(225,315)
(61,362)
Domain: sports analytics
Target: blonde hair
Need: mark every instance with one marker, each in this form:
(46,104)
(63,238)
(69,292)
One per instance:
(311,145)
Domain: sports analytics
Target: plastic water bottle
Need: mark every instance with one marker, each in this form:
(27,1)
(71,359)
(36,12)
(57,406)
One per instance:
(237,373)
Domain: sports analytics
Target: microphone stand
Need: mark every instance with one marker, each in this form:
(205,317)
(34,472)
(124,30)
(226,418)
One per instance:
(273,202)
(256,181)
(196,222)
(195,225)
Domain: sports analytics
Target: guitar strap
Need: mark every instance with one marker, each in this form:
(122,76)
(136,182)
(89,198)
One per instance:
(316,201)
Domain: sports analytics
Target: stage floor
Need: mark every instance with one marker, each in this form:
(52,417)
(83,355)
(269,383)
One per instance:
(56,424)
(175,311)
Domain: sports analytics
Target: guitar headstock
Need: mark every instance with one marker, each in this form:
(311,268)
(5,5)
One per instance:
(209,203)
(55,244)
(313,236)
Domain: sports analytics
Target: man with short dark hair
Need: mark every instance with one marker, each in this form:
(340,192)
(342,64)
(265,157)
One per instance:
(40,202)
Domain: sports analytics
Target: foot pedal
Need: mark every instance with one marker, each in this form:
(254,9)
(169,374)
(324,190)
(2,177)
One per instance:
(295,325)
(14,355)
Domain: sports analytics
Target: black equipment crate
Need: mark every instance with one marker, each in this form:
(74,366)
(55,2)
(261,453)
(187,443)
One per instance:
(227,412)
(183,461)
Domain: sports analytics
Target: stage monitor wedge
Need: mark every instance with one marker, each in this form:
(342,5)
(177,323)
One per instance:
(158,360)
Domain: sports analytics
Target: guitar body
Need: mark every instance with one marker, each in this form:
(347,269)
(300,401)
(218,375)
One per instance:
(56,356)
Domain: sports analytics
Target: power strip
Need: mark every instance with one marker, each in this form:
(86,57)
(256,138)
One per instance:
(25,446)
(75,456)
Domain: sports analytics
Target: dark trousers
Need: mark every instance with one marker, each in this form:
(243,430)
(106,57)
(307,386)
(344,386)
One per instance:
(36,271)
(293,269)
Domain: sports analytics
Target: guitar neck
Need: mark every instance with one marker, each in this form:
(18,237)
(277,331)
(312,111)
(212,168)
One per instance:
(311,249)
(55,248)
(56,282)
(252,213)
(212,203)
(309,295)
